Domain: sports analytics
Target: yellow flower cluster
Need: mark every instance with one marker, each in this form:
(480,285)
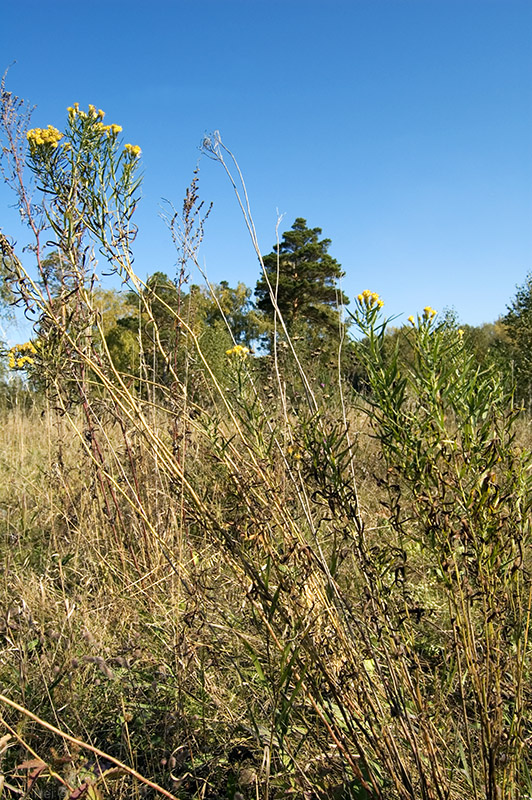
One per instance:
(428,315)
(44,136)
(114,130)
(21,354)
(132,150)
(370,299)
(294,452)
(238,350)
(93,112)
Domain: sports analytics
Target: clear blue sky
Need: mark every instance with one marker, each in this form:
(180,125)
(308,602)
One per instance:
(402,128)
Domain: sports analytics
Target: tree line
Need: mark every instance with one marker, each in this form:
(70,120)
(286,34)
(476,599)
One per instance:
(297,298)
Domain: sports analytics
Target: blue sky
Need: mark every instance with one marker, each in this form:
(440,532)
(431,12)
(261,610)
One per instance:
(402,128)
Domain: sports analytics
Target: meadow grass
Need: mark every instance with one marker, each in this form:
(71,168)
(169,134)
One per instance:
(257,618)
(225,581)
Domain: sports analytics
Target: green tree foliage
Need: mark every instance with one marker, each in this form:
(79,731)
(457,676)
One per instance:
(59,284)
(111,306)
(235,305)
(158,328)
(6,294)
(484,339)
(148,328)
(123,345)
(518,347)
(6,312)
(304,280)
(55,276)
(224,315)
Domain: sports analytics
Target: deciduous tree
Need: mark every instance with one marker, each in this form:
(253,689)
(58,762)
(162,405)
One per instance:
(518,327)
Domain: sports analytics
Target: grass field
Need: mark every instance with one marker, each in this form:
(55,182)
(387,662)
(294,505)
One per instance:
(230,575)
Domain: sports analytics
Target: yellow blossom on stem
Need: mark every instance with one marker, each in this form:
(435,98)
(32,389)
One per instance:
(21,354)
(370,299)
(39,137)
(429,313)
(110,130)
(294,452)
(411,319)
(238,350)
(132,150)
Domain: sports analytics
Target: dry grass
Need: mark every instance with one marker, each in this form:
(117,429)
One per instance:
(225,581)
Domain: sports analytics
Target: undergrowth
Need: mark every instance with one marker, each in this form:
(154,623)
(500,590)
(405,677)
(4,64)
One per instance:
(251,590)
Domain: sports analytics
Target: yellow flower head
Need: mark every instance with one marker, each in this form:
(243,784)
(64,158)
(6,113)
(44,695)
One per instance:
(294,452)
(132,150)
(238,350)
(460,333)
(40,137)
(110,130)
(21,354)
(429,313)
(411,319)
(370,299)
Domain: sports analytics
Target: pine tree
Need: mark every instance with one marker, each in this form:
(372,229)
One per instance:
(304,279)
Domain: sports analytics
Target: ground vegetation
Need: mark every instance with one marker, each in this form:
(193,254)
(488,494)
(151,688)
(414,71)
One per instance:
(223,576)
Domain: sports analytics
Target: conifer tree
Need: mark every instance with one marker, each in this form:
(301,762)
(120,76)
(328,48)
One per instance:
(304,279)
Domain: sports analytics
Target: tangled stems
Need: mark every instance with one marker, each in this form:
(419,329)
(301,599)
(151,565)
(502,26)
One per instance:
(462,490)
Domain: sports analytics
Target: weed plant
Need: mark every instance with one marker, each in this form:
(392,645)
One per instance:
(251,590)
